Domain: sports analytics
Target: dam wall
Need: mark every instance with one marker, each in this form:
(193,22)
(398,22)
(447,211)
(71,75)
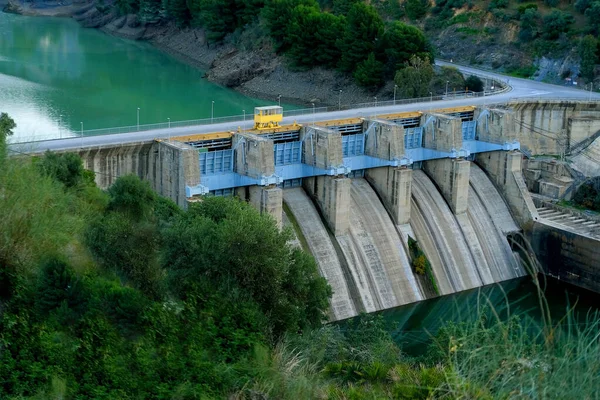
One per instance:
(553,126)
(169,166)
(567,255)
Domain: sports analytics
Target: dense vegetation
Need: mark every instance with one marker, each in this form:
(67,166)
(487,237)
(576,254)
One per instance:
(122,295)
(372,41)
(588,195)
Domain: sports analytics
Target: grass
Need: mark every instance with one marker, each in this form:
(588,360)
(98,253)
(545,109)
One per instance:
(522,71)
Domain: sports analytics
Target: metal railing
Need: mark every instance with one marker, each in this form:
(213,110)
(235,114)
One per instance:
(248,117)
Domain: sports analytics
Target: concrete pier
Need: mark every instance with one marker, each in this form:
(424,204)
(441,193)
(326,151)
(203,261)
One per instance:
(504,169)
(267,200)
(254,155)
(322,147)
(452,177)
(384,139)
(332,195)
(442,132)
(394,186)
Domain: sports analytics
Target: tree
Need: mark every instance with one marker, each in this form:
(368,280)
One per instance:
(449,78)
(400,42)
(178,10)
(132,197)
(277,15)
(415,78)
(342,7)
(474,84)
(57,284)
(582,5)
(416,9)
(529,25)
(555,23)
(66,168)
(7,124)
(281,282)
(588,56)
(593,14)
(217,16)
(364,28)
(369,73)
(315,46)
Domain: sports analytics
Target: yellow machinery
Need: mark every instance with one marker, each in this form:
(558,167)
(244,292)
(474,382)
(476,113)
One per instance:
(267,117)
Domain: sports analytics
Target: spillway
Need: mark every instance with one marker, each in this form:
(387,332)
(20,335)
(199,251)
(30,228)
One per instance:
(491,219)
(368,266)
(323,250)
(375,254)
(438,231)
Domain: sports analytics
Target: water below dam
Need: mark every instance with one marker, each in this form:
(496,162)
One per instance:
(52,66)
(413,326)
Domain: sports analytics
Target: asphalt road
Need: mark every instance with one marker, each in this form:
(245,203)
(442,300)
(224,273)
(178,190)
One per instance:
(520,89)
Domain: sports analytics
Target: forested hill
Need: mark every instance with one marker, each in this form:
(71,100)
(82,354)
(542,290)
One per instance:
(371,40)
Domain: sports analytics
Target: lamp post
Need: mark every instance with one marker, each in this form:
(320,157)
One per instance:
(591,87)
(340,100)
(430,96)
(244,124)
(169,119)
(138,118)
(60,126)
(313,105)
(375,99)
(212,111)
(447,82)
(395,88)
(81,134)
(279,100)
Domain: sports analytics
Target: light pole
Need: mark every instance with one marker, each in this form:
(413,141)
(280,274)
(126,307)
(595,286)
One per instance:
(313,105)
(431,96)
(60,126)
(279,100)
(447,82)
(340,100)
(375,99)
(169,119)
(591,87)
(212,111)
(81,134)
(244,124)
(138,118)
(395,88)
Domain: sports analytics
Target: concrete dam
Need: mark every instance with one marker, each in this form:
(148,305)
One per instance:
(357,192)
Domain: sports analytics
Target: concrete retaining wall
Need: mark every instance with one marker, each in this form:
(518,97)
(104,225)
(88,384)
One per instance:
(566,255)
(168,166)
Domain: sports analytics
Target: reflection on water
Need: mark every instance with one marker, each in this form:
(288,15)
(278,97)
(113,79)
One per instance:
(51,67)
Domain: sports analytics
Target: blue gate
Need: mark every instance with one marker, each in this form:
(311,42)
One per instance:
(215,162)
(469,129)
(413,138)
(288,153)
(353,145)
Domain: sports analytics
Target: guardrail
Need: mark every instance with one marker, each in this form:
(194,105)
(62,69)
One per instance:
(249,116)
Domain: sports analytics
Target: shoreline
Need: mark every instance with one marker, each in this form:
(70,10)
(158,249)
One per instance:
(257,73)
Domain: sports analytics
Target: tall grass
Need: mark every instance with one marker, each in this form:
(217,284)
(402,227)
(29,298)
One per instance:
(495,355)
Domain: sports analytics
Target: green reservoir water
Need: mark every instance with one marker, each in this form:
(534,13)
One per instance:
(414,325)
(52,66)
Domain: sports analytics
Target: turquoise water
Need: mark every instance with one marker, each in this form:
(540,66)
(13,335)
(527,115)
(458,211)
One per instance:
(414,325)
(51,67)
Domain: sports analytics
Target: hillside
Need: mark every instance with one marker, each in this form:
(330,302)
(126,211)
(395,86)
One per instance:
(308,51)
